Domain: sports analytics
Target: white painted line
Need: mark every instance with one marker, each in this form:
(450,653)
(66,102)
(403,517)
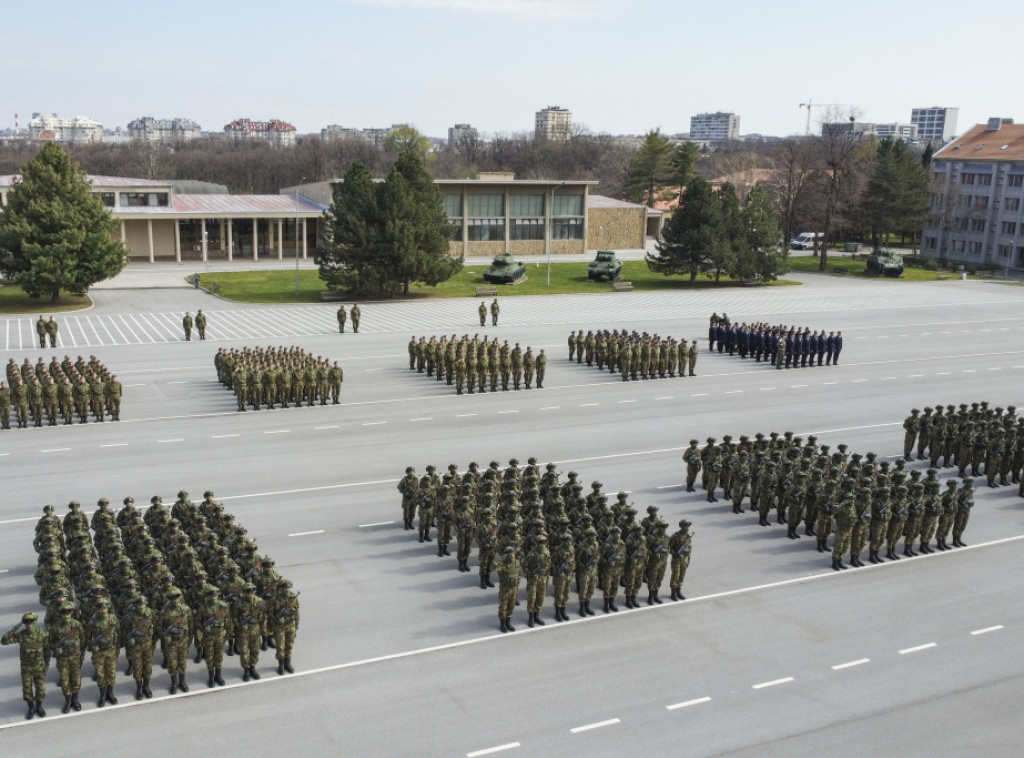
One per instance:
(665,397)
(464,415)
(857,381)
(851,664)
(943,373)
(55,450)
(368,370)
(178,439)
(587,405)
(335,426)
(917,376)
(734,392)
(888,378)
(4,455)
(179,381)
(687,703)
(772,683)
(621,402)
(987,629)
(595,725)
(669,486)
(797,386)
(374,423)
(4,571)
(995,368)
(700,394)
(305,534)
(422,418)
(551,407)
(914,649)
(278,431)
(222,436)
(495,749)
(116,444)
(135,385)
(767,389)
(502,412)
(969,371)
(1018,366)
(376,523)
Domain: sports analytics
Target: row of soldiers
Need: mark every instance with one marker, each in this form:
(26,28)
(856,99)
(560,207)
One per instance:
(180,576)
(780,345)
(634,356)
(268,376)
(531,524)
(866,502)
(58,391)
(471,362)
(976,436)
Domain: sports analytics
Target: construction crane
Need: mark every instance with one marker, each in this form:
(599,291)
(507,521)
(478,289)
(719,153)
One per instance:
(811,104)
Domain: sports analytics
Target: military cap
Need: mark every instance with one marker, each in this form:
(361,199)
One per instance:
(927,409)
(452,467)
(914,411)
(74,504)
(29,617)
(208,493)
(249,587)
(409,469)
(843,447)
(652,509)
(915,474)
(531,461)
(951,483)
(104,602)
(773,435)
(474,466)
(572,474)
(47,509)
(758,436)
(174,592)
(744,438)
(968,480)
(510,548)
(596,485)
(684,523)
(711,440)
(155,499)
(693,442)
(1011,409)
(431,469)
(495,464)
(513,462)
(103,501)
(142,599)
(128,500)
(726,438)
(182,493)
(66,607)
(551,467)
(541,538)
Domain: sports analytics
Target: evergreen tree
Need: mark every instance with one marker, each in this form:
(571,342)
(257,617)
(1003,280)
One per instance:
(350,233)
(896,196)
(734,250)
(765,258)
(54,233)
(684,164)
(650,167)
(692,239)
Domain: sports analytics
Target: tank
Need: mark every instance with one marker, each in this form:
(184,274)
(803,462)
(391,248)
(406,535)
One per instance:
(604,266)
(885,262)
(504,269)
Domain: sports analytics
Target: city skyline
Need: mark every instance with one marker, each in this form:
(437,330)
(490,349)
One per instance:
(495,63)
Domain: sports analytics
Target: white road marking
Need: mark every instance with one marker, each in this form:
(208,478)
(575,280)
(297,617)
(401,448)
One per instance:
(969,371)
(664,397)
(772,683)
(374,423)
(222,436)
(495,749)
(4,571)
(278,431)
(995,368)
(914,649)
(116,444)
(700,394)
(4,455)
(503,412)
(422,418)
(595,725)
(987,629)
(587,405)
(335,426)
(857,381)
(377,523)
(669,486)
(464,415)
(888,378)
(767,389)
(943,373)
(179,381)
(135,385)
(178,439)
(735,392)
(916,376)
(796,386)
(621,402)
(55,450)
(306,534)
(851,664)
(551,407)
(687,703)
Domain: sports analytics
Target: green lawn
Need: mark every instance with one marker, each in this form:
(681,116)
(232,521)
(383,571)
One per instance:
(14,300)
(566,278)
(837,262)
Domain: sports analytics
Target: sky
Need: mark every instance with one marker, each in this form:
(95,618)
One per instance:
(620,66)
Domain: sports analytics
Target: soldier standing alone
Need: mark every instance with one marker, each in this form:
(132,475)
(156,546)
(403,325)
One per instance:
(355,317)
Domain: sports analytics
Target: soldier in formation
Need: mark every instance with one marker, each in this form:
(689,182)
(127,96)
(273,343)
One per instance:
(34,654)
(270,376)
(473,364)
(56,392)
(528,523)
(634,355)
(780,345)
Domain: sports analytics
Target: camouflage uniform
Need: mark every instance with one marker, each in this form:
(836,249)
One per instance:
(679,545)
(508,586)
(35,660)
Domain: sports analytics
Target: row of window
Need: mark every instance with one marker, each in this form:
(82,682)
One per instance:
(961,224)
(491,206)
(137,199)
(493,229)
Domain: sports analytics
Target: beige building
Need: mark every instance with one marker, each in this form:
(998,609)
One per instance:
(158,224)
(553,123)
(276,132)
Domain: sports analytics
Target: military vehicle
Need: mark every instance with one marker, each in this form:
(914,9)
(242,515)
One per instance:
(885,262)
(504,269)
(604,266)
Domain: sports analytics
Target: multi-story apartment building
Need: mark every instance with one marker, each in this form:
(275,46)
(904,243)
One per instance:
(905,132)
(278,133)
(936,125)
(553,123)
(714,127)
(375,135)
(53,127)
(170,130)
(460,133)
(977,214)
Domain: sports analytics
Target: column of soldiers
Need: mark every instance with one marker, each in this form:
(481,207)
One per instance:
(779,345)
(170,577)
(865,502)
(531,525)
(58,391)
(974,436)
(269,376)
(634,356)
(473,364)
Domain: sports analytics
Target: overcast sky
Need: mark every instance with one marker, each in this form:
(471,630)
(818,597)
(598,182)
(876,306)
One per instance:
(620,66)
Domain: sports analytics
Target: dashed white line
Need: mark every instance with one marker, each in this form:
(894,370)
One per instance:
(851,664)
(734,392)
(503,412)
(857,381)
(55,450)
(464,415)
(222,436)
(916,376)
(306,534)
(767,389)
(687,703)
(700,394)
(669,486)
(796,386)
(278,431)
(623,402)
(374,423)
(969,371)
(376,523)
(888,378)
(115,444)
(595,725)
(772,683)
(422,418)
(178,381)
(665,397)
(587,405)
(320,428)
(4,571)
(551,407)
(916,648)
(135,385)
(987,629)
(943,373)
(995,368)
(177,439)
(495,749)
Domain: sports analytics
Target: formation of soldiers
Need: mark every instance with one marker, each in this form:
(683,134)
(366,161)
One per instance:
(780,345)
(270,376)
(972,436)
(473,363)
(634,356)
(47,330)
(531,525)
(183,576)
(59,391)
(865,502)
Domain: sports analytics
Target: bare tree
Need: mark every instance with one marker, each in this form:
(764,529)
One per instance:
(792,176)
(839,148)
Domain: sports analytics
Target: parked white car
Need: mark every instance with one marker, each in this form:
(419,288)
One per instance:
(805,240)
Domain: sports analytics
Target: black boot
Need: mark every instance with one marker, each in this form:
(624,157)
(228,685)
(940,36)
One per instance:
(145,690)
(39,709)
(650,598)
(67,704)
(263,643)
(199,654)
(808,530)
(836,564)
(209,677)
(583,609)
(872,556)
(32,709)
(821,544)
(254,673)
(280,667)
(174,684)
(508,624)
(217,677)
(529,620)
(288,665)
(537,619)
(657,600)
(245,673)
(110,696)
(138,691)
(181,683)
(612,606)
(483,582)
(503,624)
(606,608)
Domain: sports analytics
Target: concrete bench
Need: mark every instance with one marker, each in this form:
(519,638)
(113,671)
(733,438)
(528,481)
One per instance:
(487,289)
(331,296)
(621,286)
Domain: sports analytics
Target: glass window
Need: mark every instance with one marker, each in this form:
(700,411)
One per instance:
(527,229)
(526,205)
(456,235)
(107,198)
(985,180)
(567,228)
(1009,227)
(453,205)
(967,178)
(977,224)
(958,246)
(486,229)
(1016,180)
(1013,203)
(486,205)
(567,205)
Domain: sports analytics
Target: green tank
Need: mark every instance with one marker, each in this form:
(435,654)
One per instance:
(604,266)
(885,262)
(504,269)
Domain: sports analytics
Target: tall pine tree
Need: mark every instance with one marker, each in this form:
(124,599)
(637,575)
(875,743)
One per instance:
(692,240)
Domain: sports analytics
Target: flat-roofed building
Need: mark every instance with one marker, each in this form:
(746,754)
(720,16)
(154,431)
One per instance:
(276,132)
(714,127)
(553,123)
(166,130)
(936,124)
(68,130)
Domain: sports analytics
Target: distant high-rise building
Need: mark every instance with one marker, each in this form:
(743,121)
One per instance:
(53,127)
(278,133)
(149,129)
(937,125)
(714,127)
(460,133)
(905,132)
(553,123)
